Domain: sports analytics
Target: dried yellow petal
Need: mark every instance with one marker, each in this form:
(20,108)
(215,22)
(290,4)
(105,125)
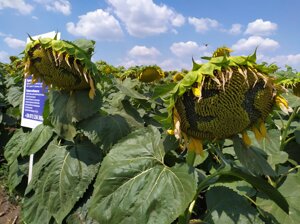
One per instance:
(195,145)
(246,139)
(257,134)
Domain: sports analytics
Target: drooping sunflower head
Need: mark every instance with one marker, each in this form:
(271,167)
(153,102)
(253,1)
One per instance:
(61,64)
(226,96)
(150,73)
(147,74)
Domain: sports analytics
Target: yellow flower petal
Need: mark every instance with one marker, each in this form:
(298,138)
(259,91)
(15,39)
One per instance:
(262,129)
(283,104)
(257,134)
(196,146)
(281,101)
(246,139)
(196,92)
(170,132)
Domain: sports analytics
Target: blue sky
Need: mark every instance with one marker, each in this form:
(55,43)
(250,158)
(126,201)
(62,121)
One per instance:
(167,33)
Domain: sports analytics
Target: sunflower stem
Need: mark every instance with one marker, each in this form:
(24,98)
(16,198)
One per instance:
(286,128)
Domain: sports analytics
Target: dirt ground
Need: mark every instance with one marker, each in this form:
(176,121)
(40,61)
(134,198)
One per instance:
(9,212)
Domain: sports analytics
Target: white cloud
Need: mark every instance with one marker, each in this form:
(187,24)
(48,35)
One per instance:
(255,41)
(98,25)
(261,28)
(14,43)
(143,51)
(235,29)
(292,60)
(175,64)
(203,24)
(62,6)
(4,57)
(141,55)
(20,5)
(189,48)
(144,17)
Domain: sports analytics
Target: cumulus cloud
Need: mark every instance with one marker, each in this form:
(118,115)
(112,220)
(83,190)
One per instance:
(144,18)
(20,5)
(97,25)
(171,64)
(189,48)
(62,6)
(141,55)
(203,24)
(235,29)
(143,51)
(255,41)
(14,43)
(261,28)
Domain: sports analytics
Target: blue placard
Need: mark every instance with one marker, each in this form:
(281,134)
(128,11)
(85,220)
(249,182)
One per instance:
(33,103)
(34,100)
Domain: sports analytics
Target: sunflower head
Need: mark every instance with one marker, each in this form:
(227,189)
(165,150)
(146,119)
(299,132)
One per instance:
(226,96)
(61,64)
(150,73)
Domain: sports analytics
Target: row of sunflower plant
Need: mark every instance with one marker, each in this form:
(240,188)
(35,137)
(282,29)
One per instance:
(216,144)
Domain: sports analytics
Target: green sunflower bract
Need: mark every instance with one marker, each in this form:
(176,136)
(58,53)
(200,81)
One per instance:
(223,97)
(61,64)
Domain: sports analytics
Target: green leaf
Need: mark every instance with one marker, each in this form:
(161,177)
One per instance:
(17,170)
(33,212)
(252,159)
(14,95)
(37,139)
(271,145)
(260,185)
(14,146)
(241,187)
(297,135)
(135,186)
(127,88)
(85,45)
(61,177)
(226,206)
(292,100)
(66,109)
(162,90)
(105,130)
(290,190)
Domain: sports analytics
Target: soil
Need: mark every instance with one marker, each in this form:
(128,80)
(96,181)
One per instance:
(9,211)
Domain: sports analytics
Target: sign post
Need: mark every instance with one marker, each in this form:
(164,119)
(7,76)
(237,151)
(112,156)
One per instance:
(33,101)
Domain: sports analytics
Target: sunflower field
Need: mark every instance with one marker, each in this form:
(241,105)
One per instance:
(219,143)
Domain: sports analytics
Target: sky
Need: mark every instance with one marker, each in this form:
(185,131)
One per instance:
(168,33)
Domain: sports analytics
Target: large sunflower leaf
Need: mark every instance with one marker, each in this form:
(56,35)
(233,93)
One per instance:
(65,109)
(240,210)
(105,130)
(251,158)
(33,212)
(135,186)
(61,177)
(37,139)
(271,145)
(14,95)
(290,190)
(14,146)
(260,184)
(17,170)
